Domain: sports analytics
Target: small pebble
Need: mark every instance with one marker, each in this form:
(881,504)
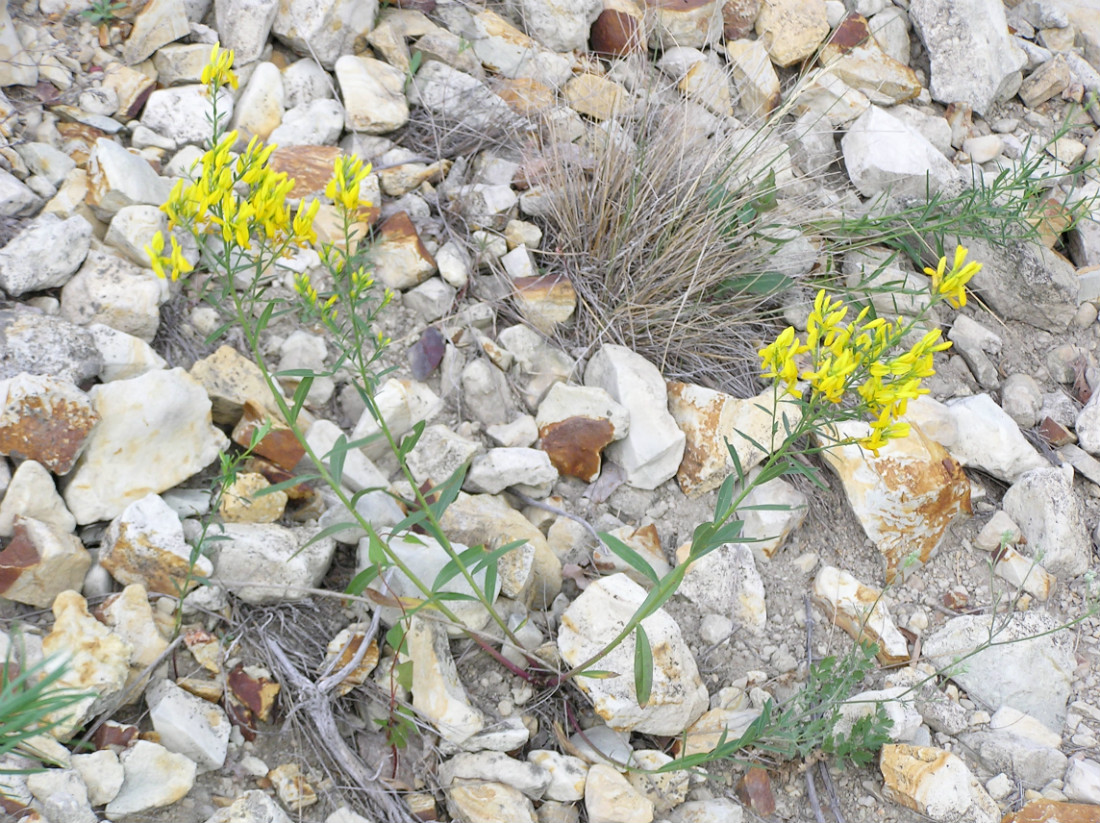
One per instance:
(999,786)
(1086,315)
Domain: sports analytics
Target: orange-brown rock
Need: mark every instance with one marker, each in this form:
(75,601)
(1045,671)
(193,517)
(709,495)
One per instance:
(575,444)
(619,30)
(935,783)
(526,96)
(252,689)
(342,651)
(45,419)
(906,497)
(1053,811)
(310,167)
(755,791)
(279,444)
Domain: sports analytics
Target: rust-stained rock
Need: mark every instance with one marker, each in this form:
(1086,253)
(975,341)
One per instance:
(45,419)
(754,789)
(400,258)
(242,503)
(145,545)
(906,497)
(856,57)
(279,445)
(1054,811)
(40,562)
(131,86)
(935,783)
(329,224)
(205,648)
(254,688)
(310,167)
(574,445)
(692,23)
(485,800)
(99,661)
(546,301)
(619,30)
(112,734)
(738,18)
(709,418)
(861,612)
(343,649)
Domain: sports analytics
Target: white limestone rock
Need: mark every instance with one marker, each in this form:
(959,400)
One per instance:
(154,433)
(40,562)
(678,695)
(32,493)
(529,777)
(118,178)
(304,81)
(183,113)
(402,404)
(63,795)
(159,23)
(726,582)
(116,293)
(316,123)
(497,469)
(374,94)
(935,783)
(258,109)
(45,254)
(652,449)
(269,563)
(883,154)
(977,64)
(124,356)
(326,29)
(1033,675)
(244,26)
(189,725)
(102,774)
(254,806)
(438,694)
(1043,504)
(154,778)
(453,94)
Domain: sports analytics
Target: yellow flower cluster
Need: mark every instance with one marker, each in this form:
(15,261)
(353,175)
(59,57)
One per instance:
(842,357)
(343,188)
(304,286)
(952,284)
(218,70)
(177,264)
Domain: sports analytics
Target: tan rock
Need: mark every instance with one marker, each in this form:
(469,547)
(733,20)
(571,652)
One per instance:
(405,177)
(754,78)
(401,260)
(292,787)
(678,696)
(154,778)
(712,727)
(645,541)
(45,419)
(1023,572)
(619,30)
(131,86)
(1046,82)
(905,498)
(707,83)
(373,92)
(254,689)
(829,97)
(1054,811)
(935,783)
(99,661)
(546,301)
(130,616)
(854,56)
(342,651)
(609,798)
(692,23)
(595,96)
(230,379)
(791,30)
(861,611)
(487,802)
(205,648)
(158,24)
(40,562)
(240,503)
(526,96)
(438,694)
(483,519)
(709,418)
(666,790)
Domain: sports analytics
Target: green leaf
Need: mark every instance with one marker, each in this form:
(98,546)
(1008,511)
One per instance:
(491,580)
(598,674)
(336,456)
(327,531)
(359,583)
(395,637)
(725,491)
(409,441)
(300,395)
(403,673)
(454,567)
(765,283)
(643,666)
(448,490)
(283,485)
(629,556)
(292,373)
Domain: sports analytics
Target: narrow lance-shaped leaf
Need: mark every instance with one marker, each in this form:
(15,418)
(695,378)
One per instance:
(643,666)
(630,556)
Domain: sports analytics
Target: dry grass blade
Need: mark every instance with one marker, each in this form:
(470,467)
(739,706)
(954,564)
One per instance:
(670,240)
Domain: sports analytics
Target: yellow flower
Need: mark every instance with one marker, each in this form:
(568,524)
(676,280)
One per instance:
(823,320)
(175,261)
(343,189)
(952,284)
(303,222)
(778,359)
(830,379)
(218,69)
